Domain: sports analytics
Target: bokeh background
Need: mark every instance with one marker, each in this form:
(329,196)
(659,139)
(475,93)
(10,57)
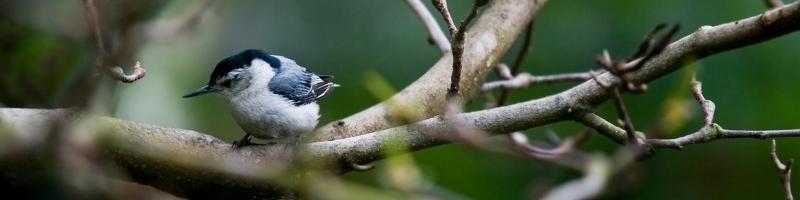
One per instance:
(46,54)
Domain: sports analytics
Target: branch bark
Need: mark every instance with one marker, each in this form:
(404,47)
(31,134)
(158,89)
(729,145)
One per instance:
(101,63)
(182,162)
(524,80)
(490,36)
(784,171)
(188,162)
(434,32)
(713,132)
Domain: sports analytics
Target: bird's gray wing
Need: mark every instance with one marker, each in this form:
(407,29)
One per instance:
(300,86)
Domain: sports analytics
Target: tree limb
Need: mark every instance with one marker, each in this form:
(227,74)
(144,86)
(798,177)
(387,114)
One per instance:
(101,64)
(434,32)
(784,170)
(459,41)
(773,3)
(523,51)
(182,162)
(441,6)
(524,80)
(714,131)
(490,37)
(149,152)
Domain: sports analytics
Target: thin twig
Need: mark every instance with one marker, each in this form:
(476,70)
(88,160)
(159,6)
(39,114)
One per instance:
(523,51)
(652,49)
(503,71)
(521,144)
(648,49)
(707,105)
(94,26)
(619,104)
(621,69)
(116,72)
(523,80)
(596,174)
(458,48)
(708,133)
(434,32)
(602,126)
(714,132)
(138,73)
(441,6)
(784,171)
(705,134)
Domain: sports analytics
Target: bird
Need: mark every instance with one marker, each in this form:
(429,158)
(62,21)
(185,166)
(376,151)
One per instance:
(270,97)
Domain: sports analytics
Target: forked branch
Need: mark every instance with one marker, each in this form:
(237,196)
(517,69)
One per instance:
(784,171)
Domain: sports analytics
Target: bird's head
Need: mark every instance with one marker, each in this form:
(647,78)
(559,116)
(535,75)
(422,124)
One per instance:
(235,73)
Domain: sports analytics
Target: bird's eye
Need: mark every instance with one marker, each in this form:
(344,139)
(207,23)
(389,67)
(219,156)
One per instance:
(226,83)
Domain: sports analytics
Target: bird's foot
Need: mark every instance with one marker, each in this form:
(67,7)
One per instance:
(242,142)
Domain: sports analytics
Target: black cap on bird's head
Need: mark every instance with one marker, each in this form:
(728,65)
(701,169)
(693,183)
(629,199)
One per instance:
(234,63)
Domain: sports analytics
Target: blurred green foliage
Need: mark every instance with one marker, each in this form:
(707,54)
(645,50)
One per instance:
(754,87)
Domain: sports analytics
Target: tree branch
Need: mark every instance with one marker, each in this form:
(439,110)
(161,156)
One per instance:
(523,80)
(597,172)
(138,73)
(434,32)
(523,51)
(116,72)
(149,153)
(441,6)
(602,126)
(714,131)
(784,171)
(458,48)
(708,106)
(773,3)
(490,37)
(182,162)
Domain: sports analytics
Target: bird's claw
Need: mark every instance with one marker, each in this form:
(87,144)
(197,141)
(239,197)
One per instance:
(242,142)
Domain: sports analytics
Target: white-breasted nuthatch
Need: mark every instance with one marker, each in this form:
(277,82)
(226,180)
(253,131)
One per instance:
(271,97)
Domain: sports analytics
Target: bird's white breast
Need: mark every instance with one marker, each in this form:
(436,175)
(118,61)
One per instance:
(267,115)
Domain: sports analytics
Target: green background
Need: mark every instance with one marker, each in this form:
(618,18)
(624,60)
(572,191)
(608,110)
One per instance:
(754,87)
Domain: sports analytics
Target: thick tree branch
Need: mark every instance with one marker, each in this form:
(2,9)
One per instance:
(588,94)
(149,153)
(773,3)
(182,162)
(490,37)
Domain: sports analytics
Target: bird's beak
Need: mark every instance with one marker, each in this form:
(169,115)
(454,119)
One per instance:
(200,91)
